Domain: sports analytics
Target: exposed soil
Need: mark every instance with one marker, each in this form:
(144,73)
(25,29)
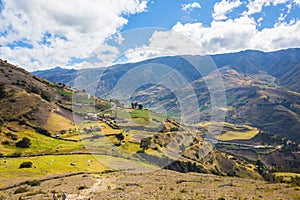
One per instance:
(161,184)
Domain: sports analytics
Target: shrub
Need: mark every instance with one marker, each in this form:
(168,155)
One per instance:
(33,183)
(83,187)
(12,136)
(295,181)
(43,131)
(5,142)
(145,143)
(21,190)
(120,137)
(183,191)
(16,154)
(35,89)
(173,129)
(24,143)
(26,165)
(45,95)
(2,90)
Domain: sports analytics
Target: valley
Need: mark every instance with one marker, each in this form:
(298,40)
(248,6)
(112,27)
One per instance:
(55,138)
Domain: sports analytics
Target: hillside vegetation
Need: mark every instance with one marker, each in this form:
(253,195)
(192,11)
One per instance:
(51,132)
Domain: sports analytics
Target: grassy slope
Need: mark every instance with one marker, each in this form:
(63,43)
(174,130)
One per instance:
(47,166)
(41,144)
(56,123)
(286,175)
(231,131)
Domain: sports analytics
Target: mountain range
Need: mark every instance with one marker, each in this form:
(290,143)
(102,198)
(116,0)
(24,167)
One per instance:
(262,88)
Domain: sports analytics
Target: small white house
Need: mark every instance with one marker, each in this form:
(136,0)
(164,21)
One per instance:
(92,116)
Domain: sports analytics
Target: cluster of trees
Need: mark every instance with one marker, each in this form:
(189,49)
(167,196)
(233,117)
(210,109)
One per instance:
(24,143)
(45,95)
(136,106)
(145,144)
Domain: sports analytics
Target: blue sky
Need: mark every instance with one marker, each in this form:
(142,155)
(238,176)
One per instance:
(166,13)
(79,34)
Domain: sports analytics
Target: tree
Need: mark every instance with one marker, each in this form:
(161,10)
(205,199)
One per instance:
(26,165)
(43,131)
(145,143)
(132,105)
(35,89)
(24,143)
(2,90)
(120,137)
(45,95)
(140,106)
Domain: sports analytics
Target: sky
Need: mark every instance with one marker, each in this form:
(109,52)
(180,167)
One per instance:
(43,34)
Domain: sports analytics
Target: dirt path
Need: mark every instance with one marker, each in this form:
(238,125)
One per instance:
(100,184)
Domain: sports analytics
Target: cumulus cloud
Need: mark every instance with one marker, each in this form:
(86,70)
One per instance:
(241,34)
(256,6)
(231,35)
(221,9)
(224,35)
(164,43)
(58,30)
(189,7)
(221,36)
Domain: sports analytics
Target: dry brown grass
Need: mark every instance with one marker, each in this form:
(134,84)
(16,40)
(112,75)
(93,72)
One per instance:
(160,184)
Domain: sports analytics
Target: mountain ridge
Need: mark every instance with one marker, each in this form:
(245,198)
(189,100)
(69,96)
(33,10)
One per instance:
(278,73)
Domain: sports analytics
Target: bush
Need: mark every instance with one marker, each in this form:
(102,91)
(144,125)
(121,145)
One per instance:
(45,95)
(26,165)
(83,187)
(145,143)
(24,143)
(21,190)
(35,89)
(33,183)
(173,129)
(16,154)
(295,181)
(5,142)
(183,191)
(2,90)
(43,131)
(12,136)
(120,137)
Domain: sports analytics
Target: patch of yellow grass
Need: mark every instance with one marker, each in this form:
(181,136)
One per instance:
(41,144)
(236,135)
(56,123)
(131,147)
(106,130)
(47,166)
(286,175)
(231,131)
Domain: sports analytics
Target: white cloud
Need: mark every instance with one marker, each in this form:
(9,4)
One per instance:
(297,2)
(72,28)
(221,37)
(256,6)
(241,34)
(189,7)
(164,43)
(221,9)
(280,37)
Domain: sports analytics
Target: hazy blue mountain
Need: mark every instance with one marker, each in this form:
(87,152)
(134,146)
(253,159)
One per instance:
(262,88)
